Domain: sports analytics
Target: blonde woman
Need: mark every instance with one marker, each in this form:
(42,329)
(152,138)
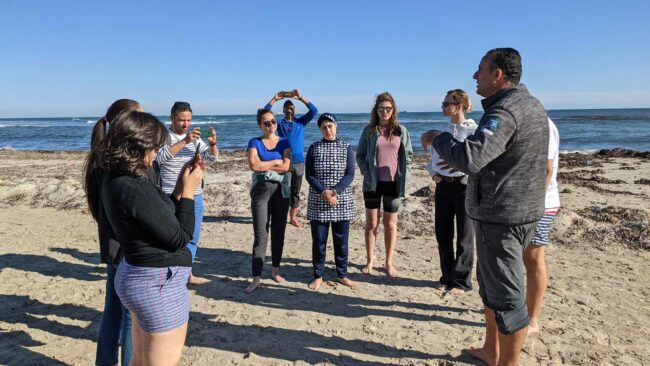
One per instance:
(450,201)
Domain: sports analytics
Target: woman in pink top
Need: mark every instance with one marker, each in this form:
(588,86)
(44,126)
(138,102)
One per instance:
(384,156)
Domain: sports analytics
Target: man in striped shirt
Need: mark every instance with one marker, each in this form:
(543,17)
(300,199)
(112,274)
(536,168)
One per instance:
(181,147)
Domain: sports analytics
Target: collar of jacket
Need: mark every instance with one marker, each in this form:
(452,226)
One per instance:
(488,102)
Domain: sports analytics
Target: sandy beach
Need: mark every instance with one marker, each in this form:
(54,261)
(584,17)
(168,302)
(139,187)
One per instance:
(596,310)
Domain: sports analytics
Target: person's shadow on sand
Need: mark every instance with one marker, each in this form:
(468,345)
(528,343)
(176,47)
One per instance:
(291,345)
(51,267)
(14,350)
(217,263)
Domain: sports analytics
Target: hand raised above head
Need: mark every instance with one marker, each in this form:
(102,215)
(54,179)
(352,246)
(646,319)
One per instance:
(296,94)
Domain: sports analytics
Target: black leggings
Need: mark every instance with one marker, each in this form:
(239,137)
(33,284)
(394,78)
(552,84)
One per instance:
(269,209)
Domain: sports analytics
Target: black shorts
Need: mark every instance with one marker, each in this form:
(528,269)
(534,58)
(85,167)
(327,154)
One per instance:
(386,192)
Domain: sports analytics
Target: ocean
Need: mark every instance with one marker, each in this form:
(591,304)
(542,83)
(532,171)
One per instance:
(582,130)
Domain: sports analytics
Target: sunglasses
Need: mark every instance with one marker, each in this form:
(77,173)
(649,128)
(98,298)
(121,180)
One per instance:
(269,123)
(384,109)
(447,104)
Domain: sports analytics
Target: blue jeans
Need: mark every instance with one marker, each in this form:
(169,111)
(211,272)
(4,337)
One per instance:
(198,220)
(319,234)
(115,327)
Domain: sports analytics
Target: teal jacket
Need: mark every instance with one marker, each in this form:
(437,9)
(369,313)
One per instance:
(366,152)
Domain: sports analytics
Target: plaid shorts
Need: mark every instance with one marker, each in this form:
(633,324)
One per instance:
(544,226)
(156,295)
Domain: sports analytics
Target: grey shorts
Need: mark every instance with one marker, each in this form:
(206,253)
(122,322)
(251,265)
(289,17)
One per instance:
(500,272)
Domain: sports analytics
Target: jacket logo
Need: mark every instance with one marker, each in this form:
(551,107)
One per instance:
(491,126)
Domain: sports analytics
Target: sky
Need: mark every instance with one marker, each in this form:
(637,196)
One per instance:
(74,58)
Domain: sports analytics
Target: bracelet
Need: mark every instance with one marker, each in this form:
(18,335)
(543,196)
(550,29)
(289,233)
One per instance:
(211,144)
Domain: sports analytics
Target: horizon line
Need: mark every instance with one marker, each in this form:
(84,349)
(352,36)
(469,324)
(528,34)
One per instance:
(402,111)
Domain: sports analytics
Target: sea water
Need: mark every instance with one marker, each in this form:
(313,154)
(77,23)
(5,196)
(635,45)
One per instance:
(580,130)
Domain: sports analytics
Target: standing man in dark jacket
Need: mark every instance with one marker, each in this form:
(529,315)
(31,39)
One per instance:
(293,129)
(506,162)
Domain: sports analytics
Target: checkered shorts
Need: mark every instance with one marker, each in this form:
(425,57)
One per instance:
(157,296)
(544,226)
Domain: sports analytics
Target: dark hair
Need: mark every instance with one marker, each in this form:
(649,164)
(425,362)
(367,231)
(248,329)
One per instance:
(393,125)
(131,136)
(179,107)
(260,113)
(91,164)
(509,61)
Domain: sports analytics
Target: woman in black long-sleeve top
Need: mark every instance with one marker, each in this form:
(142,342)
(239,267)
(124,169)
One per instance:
(329,169)
(153,230)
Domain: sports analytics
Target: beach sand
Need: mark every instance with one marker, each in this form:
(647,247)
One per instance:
(596,310)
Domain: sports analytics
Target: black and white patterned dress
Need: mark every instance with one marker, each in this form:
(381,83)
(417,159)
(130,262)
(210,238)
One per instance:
(330,162)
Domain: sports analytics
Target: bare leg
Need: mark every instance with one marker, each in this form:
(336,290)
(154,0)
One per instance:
(164,348)
(510,347)
(315,284)
(489,353)
(536,282)
(275,274)
(371,228)
(390,238)
(136,342)
(254,285)
(293,218)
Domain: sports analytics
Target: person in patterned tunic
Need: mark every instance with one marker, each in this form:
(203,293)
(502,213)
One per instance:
(329,169)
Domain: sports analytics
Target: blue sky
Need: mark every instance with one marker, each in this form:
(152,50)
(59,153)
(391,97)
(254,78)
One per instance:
(73,58)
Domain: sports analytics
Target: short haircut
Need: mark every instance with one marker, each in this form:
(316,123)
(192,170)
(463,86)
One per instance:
(509,61)
(179,107)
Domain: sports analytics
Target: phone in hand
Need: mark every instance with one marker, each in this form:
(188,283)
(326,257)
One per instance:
(287,94)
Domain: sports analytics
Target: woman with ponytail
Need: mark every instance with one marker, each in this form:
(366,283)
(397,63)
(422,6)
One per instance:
(115,327)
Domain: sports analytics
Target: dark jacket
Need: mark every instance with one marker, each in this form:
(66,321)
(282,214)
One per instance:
(153,230)
(109,248)
(505,159)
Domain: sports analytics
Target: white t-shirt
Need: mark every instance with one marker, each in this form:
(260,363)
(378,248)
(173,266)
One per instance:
(460,132)
(552,193)
(171,165)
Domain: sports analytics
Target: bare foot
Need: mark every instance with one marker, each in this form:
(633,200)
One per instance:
(482,354)
(440,287)
(195,280)
(346,281)
(390,271)
(367,269)
(253,286)
(533,328)
(457,291)
(315,284)
(275,275)
(293,220)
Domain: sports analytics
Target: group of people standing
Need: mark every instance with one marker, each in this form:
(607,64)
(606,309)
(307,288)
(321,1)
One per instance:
(384,155)
(144,188)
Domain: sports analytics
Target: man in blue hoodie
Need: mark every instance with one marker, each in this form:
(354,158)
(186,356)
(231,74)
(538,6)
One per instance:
(293,129)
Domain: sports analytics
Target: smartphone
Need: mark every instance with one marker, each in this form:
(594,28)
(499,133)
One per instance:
(196,157)
(286,94)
